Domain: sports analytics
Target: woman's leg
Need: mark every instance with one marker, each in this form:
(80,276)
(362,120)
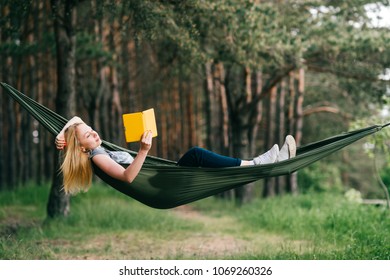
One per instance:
(199,157)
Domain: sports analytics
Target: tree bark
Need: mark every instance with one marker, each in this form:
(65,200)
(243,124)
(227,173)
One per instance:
(269,183)
(116,110)
(281,180)
(246,115)
(64,20)
(224,110)
(293,180)
(210,104)
(191,116)
(11,149)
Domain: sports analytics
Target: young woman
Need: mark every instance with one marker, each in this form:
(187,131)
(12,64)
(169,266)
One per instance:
(82,145)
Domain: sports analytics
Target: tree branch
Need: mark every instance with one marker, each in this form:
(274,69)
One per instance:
(325,109)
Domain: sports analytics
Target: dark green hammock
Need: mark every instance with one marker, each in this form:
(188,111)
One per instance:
(162,184)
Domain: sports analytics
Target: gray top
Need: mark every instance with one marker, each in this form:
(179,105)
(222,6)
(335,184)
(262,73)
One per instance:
(118,156)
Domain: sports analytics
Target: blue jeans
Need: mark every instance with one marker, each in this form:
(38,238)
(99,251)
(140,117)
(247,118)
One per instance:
(199,157)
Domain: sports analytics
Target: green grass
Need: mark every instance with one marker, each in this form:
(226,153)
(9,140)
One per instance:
(335,227)
(104,224)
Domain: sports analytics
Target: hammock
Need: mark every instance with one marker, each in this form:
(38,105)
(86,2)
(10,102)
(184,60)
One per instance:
(162,184)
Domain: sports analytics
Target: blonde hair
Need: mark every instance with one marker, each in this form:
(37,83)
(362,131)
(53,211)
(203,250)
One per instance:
(76,166)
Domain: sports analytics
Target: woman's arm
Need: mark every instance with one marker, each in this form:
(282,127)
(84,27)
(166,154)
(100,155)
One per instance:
(117,171)
(60,138)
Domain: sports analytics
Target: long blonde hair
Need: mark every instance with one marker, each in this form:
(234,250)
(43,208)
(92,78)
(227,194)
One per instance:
(76,166)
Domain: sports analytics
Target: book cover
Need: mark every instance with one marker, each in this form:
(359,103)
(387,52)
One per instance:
(135,124)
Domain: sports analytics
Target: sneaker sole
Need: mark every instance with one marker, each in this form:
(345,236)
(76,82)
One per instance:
(292,146)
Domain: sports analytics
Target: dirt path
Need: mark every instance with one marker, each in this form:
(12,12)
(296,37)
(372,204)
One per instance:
(216,241)
(212,242)
(220,237)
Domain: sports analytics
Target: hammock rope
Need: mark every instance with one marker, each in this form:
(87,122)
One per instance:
(162,184)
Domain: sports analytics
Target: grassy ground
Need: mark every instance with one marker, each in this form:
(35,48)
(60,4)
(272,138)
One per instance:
(104,224)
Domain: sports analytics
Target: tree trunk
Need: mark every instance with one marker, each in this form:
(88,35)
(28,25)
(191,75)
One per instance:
(116,105)
(100,95)
(301,91)
(245,121)
(163,143)
(2,144)
(191,116)
(281,180)
(176,116)
(64,20)
(40,136)
(269,183)
(128,54)
(291,106)
(224,110)
(293,180)
(3,75)
(210,105)
(11,162)
(185,119)
(256,113)
(216,135)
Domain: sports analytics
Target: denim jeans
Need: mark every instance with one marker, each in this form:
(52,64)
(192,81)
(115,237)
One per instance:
(199,157)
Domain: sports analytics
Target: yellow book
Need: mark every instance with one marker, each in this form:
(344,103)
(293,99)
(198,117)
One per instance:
(135,124)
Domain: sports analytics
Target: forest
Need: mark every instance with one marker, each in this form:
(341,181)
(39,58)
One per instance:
(232,76)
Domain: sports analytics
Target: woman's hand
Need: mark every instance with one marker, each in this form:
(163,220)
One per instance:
(60,142)
(146,142)
(60,139)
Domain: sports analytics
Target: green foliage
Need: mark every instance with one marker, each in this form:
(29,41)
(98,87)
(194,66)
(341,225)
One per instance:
(169,27)
(378,147)
(320,177)
(385,175)
(381,139)
(18,48)
(19,10)
(251,34)
(89,49)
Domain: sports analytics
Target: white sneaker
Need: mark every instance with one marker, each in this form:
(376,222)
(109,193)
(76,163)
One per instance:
(268,157)
(288,150)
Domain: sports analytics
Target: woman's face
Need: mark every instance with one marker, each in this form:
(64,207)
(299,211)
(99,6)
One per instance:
(88,138)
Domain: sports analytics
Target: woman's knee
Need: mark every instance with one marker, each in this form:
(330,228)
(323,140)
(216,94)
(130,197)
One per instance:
(196,150)
(191,157)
